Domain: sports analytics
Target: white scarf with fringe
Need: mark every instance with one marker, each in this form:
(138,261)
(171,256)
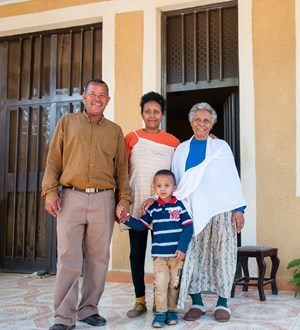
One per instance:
(210,188)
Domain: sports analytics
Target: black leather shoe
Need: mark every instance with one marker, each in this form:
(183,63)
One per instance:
(94,320)
(62,327)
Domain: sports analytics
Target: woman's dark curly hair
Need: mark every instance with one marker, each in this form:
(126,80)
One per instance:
(153,96)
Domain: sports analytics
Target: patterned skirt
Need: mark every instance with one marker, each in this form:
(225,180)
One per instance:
(210,262)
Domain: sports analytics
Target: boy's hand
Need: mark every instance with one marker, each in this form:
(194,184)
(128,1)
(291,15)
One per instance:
(179,255)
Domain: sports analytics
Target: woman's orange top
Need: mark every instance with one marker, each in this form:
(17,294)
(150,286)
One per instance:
(162,137)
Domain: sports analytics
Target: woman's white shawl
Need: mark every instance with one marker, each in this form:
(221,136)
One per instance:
(211,187)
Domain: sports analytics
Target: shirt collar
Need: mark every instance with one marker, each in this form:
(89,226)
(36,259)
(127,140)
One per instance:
(87,117)
(172,201)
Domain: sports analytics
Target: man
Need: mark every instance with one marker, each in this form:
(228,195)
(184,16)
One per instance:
(87,158)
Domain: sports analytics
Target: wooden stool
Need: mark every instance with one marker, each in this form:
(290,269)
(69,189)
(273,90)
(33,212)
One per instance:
(258,252)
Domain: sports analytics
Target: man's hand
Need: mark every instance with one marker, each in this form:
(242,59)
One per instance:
(52,206)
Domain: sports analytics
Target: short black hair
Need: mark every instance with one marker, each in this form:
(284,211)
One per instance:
(165,172)
(153,96)
(97,81)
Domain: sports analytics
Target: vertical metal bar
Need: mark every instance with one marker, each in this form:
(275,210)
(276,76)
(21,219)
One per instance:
(82,106)
(26,169)
(233,123)
(220,44)
(207,47)
(30,71)
(40,67)
(92,54)
(5,124)
(20,69)
(81,62)
(53,84)
(37,176)
(195,48)
(15,202)
(70,64)
(230,121)
(225,121)
(182,50)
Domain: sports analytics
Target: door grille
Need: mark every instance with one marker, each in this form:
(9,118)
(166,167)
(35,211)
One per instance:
(201,47)
(43,78)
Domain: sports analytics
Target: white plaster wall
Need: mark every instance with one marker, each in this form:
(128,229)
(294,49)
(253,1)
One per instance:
(247,124)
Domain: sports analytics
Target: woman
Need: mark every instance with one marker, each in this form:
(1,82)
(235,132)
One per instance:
(149,150)
(209,185)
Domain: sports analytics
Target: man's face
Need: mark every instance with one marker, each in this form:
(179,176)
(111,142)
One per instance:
(96,99)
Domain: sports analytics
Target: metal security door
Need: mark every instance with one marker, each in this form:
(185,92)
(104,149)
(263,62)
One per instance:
(43,78)
(231,126)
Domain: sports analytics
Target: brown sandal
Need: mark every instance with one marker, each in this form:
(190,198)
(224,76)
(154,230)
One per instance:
(193,314)
(222,314)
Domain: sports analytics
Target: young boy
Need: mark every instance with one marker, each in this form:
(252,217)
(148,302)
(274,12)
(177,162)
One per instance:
(172,232)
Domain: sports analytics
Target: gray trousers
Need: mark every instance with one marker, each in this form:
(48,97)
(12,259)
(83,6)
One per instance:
(84,228)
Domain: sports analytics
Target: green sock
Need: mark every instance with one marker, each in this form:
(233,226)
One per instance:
(197,299)
(222,302)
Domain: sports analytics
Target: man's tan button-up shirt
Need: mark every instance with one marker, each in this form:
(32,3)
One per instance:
(87,155)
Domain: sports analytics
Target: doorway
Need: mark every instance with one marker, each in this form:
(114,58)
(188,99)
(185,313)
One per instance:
(180,104)
(200,64)
(223,100)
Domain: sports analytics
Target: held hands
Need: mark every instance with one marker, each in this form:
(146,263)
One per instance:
(52,206)
(122,213)
(238,220)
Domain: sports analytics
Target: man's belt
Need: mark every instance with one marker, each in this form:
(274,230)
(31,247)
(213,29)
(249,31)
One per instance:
(87,190)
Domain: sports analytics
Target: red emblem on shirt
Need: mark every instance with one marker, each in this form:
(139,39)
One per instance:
(175,214)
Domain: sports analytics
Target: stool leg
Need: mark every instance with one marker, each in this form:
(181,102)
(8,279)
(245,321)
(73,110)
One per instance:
(235,276)
(275,265)
(244,264)
(233,289)
(261,275)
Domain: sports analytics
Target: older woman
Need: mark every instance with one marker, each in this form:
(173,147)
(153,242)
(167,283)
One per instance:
(209,185)
(148,150)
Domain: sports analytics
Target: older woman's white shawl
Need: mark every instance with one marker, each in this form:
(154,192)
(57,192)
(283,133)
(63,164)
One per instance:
(210,188)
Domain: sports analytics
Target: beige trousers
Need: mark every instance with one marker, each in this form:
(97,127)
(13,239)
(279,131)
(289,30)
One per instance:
(165,273)
(84,227)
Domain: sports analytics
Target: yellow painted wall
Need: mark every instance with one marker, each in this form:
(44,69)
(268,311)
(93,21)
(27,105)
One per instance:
(273,27)
(128,91)
(278,210)
(36,6)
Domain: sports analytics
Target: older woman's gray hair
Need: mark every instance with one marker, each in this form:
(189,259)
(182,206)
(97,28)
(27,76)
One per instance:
(203,106)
